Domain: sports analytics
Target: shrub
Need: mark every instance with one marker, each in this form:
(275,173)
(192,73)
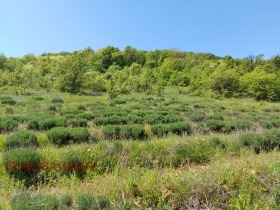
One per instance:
(9,110)
(135,131)
(57,100)
(8,101)
(216,117)
(272,139)
(111,131)
(86,201)
(58,136)
(33,124)
(103,202)
(66,200)
(179,128)
(49,123)
(228,127)
(119,101)
(22,163)
(5,98)
(52,108)
(38,98)
(197,117)
(194,151)
(87,116)
(24,201)
(23,138)
(78,135)
(160,129)
(81,107)
(216,142)
(77,123)
(243,124)
(134,119)
(215,125)
(8,125)
(71,164)
(153,118)
(172,118)
(253,140)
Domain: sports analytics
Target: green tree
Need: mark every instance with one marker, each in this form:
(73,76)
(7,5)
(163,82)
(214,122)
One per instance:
(71,73)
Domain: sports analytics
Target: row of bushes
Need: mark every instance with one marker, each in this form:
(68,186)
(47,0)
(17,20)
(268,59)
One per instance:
(8,125)
(137,131)
(267,141)
(42,201)
(149,119)
(63,136)
(227,126)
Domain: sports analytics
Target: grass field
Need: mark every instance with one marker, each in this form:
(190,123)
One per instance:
(152,152)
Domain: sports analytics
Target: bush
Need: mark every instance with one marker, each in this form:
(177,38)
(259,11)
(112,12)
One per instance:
(172,118)
(111,131)
(135,131)
(33,124)
(103,202)
(8,125)
(52,108)
(197,117)
(49,123)
(9,110)
(22,163)
(77,123)
(24,201)
(71,164)
(57,100)
(254,141)
(272,139)
(160,129)
(58,136)
(179,128)
(81,107)
(243,124)
(86,201)
(8,101)
(66,200)
(23,138)
(153,118)
(78,135)
(216,142)
(38,98)
(215,125)
(87,116)
(134,119)
(216,117)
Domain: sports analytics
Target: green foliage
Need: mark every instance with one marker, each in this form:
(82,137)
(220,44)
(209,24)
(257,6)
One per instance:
(26,201)
(253,140)
(135,131)
(8,101)
(77,123)
(215,125)
(17,162)
(160,129)
(62,136)
(111,131)
(23,138)
(66,200)
(33,124)
(38,98)
(58,136)
(57,100)
(49,123)
(86,201)
(78,135)
(179,128)
(8,125)
(71,163)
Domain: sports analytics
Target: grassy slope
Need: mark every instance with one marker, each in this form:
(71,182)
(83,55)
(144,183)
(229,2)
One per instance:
(143,176)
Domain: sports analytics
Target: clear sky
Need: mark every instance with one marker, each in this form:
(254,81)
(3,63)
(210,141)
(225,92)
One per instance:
(223,27)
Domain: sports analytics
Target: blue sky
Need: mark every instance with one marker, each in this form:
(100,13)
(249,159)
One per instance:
(223,27)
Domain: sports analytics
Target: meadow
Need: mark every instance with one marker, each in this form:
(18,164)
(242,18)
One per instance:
(172,151)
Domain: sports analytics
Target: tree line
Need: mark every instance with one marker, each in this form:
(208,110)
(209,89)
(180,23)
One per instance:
(122,71)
